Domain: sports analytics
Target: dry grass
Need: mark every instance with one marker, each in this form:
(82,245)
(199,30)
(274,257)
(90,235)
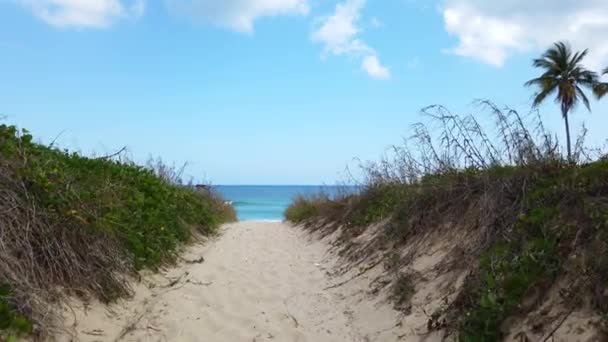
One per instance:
(523,209)
(38,253)
(71,225)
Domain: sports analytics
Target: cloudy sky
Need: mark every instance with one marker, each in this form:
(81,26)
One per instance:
(275,91)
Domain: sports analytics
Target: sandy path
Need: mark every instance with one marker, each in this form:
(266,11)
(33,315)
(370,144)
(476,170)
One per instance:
(264,286)
(260,281)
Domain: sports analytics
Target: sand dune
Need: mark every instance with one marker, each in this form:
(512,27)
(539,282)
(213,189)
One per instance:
(259,281)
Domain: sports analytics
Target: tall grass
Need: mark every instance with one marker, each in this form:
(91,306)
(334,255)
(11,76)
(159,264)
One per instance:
(448,148)
(524,208)
(76,225)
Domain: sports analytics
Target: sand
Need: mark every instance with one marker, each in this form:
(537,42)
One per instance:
(258,281)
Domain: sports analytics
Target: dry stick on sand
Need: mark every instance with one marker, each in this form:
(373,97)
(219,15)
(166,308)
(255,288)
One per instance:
(201,283)
(195,261)
(561,322)
(176,280)
(131,326)
(559,325)
(96,332)
(295,321)
(365,270)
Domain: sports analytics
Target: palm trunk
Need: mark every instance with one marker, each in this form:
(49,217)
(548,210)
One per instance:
(568,144)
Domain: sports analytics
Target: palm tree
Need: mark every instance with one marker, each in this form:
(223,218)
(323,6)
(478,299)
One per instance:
(563,74)
(601,89)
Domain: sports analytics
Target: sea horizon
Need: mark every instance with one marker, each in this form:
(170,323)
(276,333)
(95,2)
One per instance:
(268,202)
(279,185)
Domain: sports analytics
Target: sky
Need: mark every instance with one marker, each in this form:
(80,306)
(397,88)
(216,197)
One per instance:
(275,91)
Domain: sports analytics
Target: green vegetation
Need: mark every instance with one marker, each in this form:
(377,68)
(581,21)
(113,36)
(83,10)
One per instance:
(526,211)
(563,213)
(402,292)
(532,216)
(303,208)
(83,224)
(10,321)
(377,204)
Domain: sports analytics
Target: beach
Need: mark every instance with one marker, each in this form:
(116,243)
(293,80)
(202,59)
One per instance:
(257,281)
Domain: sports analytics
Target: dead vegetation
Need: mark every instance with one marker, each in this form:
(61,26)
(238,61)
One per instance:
(71,225)
(518,219)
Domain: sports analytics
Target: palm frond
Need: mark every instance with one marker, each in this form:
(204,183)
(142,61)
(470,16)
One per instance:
(543,93)
(578,57)
(585,77)
(544,63)
(600,89)
(536,81)
(560,54)
(583,97)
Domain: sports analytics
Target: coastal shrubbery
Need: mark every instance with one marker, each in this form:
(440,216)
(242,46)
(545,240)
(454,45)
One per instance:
(303,208)
(530,210)
(75,225)
(531,216)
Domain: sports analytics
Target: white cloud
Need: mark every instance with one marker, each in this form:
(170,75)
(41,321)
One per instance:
(338,34)
(491,31)
(238,15)
(372,66)
(83,13)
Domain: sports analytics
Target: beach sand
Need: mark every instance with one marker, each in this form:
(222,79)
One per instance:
(258,281)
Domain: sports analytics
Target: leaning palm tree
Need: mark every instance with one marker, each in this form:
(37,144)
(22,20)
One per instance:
(563,74)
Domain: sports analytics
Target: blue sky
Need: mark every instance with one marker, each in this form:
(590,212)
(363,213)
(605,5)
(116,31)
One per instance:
(274,91)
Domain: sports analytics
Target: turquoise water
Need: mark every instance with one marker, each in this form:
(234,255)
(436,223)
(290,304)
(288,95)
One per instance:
(255,202)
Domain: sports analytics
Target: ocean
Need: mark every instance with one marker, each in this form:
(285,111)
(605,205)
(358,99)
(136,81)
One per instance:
(261,202)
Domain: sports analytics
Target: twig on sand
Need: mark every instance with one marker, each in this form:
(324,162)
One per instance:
(149,306)
(295,321)
(196,282)
(195,261)
(132,324)
(559,324)
(128,328)
(365,270)
(177,280)
(96,332)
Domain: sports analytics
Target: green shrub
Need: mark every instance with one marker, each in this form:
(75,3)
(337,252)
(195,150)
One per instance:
(402,292)
(524,208)
(302,209)
(84,223)
(374,204)
(10,321)
(149,216)
(561,204)
(507,272)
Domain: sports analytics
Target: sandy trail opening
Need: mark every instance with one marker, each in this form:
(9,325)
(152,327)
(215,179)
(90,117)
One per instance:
(259,281)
